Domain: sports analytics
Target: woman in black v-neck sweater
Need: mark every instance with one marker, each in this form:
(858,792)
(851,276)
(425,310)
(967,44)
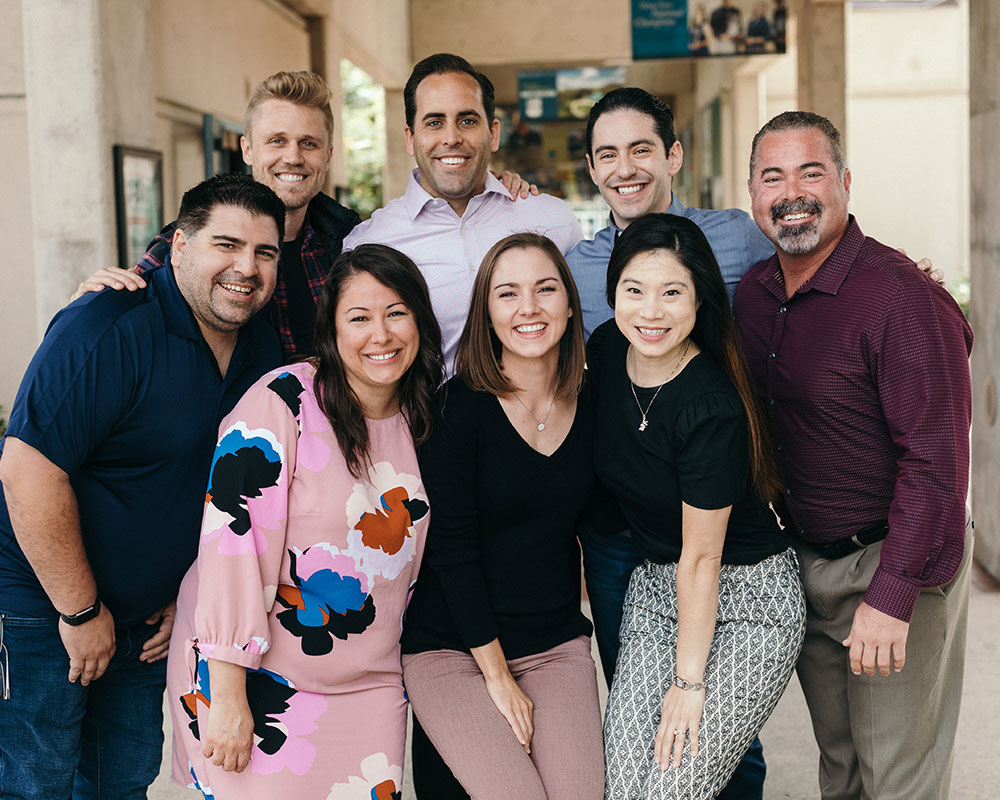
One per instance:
(496,652)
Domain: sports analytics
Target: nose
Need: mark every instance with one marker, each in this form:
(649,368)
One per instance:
(529,303)
(293,153)
(380,332)
(625,167)
(651,308)
(244,262)
(452,133)
(793,188)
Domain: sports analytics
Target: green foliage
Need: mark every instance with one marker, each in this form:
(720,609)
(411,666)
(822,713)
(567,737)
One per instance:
(3,422)
(363,117)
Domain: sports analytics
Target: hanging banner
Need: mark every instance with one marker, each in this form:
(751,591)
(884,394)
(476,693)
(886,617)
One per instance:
(565,93)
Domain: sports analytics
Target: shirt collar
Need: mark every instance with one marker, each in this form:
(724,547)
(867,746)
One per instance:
(676,207)
(177,316)
(831,274)
(417,197)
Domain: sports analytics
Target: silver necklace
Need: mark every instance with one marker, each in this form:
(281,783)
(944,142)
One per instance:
(541,425)
(677,366)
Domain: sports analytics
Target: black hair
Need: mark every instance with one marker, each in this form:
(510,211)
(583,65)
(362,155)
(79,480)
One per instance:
(239,191)
(442,64)
(631,98)
(714,330)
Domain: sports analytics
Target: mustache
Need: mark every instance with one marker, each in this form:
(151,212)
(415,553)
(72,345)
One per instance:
(795,207)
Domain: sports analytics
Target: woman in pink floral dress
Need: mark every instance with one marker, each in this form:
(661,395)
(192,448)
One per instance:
(284,671)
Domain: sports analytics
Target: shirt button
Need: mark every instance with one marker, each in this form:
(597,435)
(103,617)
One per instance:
(802,531)
(780,447)
(771,355)
(782,310)
(788,492)
(770,402)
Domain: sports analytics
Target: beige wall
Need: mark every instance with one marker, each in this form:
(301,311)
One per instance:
(19,335)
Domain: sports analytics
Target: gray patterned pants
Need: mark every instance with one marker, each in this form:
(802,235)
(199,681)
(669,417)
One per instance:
(758,635)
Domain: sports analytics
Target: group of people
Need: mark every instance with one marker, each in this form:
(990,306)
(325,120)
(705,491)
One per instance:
(722,32)
(444,405)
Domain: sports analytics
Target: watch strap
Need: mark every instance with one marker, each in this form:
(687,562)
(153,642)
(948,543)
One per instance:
(81,617)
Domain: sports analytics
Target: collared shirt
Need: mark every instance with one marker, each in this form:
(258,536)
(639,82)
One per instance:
(865,376)
(326,224)
(734,237)
(448,248)
(125,396)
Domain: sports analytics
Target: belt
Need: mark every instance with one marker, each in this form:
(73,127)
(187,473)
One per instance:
(875,532)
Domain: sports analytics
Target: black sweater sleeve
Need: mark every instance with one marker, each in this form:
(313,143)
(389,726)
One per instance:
(449,469)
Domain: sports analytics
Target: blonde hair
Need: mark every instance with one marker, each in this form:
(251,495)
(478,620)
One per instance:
(302,88)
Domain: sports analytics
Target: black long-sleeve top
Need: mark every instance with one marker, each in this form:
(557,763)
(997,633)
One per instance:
(501,558)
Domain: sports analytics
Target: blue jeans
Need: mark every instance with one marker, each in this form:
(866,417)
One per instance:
(63,740)
(608,562)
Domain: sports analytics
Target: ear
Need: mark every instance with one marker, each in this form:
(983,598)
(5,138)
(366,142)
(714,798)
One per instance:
(245,147)
(570,313)
(847,182)
(675,158)
(495,136)
(408,138)
(593,174)
(177,246)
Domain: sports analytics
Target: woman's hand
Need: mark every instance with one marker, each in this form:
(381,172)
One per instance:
(228,735)
(515,706)
(681,712)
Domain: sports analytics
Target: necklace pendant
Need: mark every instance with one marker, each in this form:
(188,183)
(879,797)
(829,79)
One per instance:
(643,424)
(541,426)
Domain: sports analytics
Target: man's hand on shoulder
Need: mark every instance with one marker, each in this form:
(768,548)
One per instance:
(109,278)
(925,265)
(90,646)
(515,184)
(877,641)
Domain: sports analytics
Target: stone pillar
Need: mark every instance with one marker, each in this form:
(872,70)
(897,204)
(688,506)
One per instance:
(984,129)
(397,161)
(88,85)
(822,59)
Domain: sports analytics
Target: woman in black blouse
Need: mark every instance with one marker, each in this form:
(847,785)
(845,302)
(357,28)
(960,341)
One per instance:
(714,617)
(497,659)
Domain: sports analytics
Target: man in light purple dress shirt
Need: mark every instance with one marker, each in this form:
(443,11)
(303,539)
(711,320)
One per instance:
(454,210)
(862,362)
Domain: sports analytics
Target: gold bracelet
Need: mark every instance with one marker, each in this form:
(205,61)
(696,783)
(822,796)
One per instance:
(687,686)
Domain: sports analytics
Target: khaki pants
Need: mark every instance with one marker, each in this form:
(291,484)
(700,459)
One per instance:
(882,737)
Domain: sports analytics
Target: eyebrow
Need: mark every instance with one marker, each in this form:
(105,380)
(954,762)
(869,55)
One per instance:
(807,165)
(365,308)
(469,112)
(665,283)
(539,282)
(629,146)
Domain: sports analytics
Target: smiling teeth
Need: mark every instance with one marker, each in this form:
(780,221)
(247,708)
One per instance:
(235,288)
(538,326)
(795,217)
(453,161)
(382,356)
(653,331)
(291,177)
(628,189)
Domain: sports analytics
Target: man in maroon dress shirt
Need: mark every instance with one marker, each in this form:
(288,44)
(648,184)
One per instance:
(862,362)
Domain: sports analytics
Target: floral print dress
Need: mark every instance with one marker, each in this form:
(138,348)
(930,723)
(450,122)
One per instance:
(302,577)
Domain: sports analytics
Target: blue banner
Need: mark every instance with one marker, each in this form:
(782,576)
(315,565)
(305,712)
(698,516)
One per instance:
(659,28)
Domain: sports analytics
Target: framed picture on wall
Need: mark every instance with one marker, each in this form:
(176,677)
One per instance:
(138,200)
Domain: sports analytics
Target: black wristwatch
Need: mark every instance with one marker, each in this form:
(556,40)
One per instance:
(83,616)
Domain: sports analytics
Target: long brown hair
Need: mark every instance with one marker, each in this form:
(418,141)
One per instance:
(416,389)
(714,330)
(477,360)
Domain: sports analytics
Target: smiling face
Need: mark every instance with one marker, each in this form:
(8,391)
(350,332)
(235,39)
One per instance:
(227,270)
(656,308)
(799,199)
(528,305)
(631,166)
(451,138)
(377,337)
(289,150)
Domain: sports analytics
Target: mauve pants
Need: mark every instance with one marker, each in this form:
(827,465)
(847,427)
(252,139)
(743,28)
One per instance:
(448,695)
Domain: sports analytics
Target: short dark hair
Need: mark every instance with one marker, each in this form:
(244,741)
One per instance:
(802,120)
(416,389)
(239,191)
(631,98)
(442,64)
(714,330)
(477,360)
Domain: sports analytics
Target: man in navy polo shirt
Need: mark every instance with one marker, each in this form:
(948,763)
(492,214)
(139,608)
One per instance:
(103,473)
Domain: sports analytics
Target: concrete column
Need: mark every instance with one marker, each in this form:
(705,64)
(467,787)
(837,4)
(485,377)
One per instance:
(822,59)
(89,85)
(397,162)
(984,129)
